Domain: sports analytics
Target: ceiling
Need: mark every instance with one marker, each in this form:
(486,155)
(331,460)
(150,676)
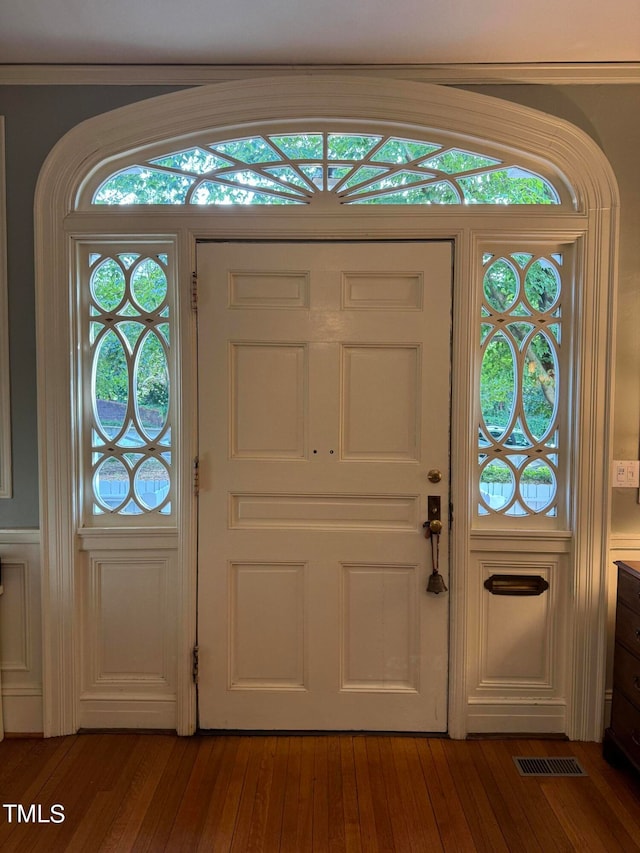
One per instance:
(319,32)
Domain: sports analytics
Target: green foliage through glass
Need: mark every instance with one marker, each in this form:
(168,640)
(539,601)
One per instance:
(129,338)
(519,334)
(294,168)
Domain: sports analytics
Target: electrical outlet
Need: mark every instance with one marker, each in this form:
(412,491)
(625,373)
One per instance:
(626,474)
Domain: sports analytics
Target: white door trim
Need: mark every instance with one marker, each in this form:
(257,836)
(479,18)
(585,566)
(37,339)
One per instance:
(405,105)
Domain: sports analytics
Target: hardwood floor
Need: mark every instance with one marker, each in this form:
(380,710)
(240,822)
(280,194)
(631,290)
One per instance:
(129,792)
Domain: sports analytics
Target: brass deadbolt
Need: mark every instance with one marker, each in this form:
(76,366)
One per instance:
(434,475)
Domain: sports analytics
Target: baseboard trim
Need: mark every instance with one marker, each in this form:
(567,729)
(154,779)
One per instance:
(515,718)
(23,735)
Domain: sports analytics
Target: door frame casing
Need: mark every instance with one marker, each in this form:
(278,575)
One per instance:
(253,103)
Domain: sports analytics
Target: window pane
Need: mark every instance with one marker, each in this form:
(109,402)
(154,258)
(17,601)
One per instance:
(128,325)
(301,146)
(497,385)
(455,161)
(345,164)
(518,433)
(141,185)
(508,186)
(403,151)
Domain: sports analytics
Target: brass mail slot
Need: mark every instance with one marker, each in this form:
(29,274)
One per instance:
(516,585)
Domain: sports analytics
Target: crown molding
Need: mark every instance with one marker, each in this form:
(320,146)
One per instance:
(547,73)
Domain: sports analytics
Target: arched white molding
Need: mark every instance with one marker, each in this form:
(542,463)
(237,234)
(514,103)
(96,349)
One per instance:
(232,107)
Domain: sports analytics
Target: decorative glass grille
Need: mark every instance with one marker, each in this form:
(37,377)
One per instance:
(298,168)
(520,344)
(129,334)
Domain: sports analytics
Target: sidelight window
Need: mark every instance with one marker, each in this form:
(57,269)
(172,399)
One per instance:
(127,377)
(519,444)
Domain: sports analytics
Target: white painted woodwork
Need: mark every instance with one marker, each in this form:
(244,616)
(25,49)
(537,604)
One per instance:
(20,632)
(519,632)
(129,635)
(307,510)
(324,401)
(76,165)
(518,679)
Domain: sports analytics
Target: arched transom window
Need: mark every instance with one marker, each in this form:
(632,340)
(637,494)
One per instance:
(296,168)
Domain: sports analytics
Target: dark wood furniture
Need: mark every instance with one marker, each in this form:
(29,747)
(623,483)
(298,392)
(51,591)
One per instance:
(622,738)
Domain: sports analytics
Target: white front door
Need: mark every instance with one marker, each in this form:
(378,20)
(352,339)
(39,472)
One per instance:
(323,404)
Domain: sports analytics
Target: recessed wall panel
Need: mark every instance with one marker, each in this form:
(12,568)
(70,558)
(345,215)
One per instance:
(268,400)
(266,643)
(379,628)
(380,402)
(518,633)
(14,618)
(131,619)
(268,290)
(382,291)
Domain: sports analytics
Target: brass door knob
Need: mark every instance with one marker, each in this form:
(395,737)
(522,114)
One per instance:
(434,475)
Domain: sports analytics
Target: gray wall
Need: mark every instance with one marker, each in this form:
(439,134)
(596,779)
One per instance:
(37,116)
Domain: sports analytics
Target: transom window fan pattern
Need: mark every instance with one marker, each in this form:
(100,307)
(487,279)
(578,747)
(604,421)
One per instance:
(300,168)
(130,348)
(520,343)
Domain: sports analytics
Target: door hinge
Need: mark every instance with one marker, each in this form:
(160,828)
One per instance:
(195,663)
(196,477)
(194,291)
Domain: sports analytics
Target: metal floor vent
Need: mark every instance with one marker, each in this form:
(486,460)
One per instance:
(547,766)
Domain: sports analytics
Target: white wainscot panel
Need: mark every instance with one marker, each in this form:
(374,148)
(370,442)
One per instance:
(518,666)
(269,400)
(266,626)
(379,628)
(518,634)
(383,291)
(15,628)
(268,289)
(380,402)
(20,632)
(129,641)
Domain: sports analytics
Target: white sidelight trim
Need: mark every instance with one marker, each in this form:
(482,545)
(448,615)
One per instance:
(240,107)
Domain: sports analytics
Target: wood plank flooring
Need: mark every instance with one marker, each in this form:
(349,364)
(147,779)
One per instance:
(135,792)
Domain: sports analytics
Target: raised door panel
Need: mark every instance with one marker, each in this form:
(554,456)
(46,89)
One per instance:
(380,405)
(268,405)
